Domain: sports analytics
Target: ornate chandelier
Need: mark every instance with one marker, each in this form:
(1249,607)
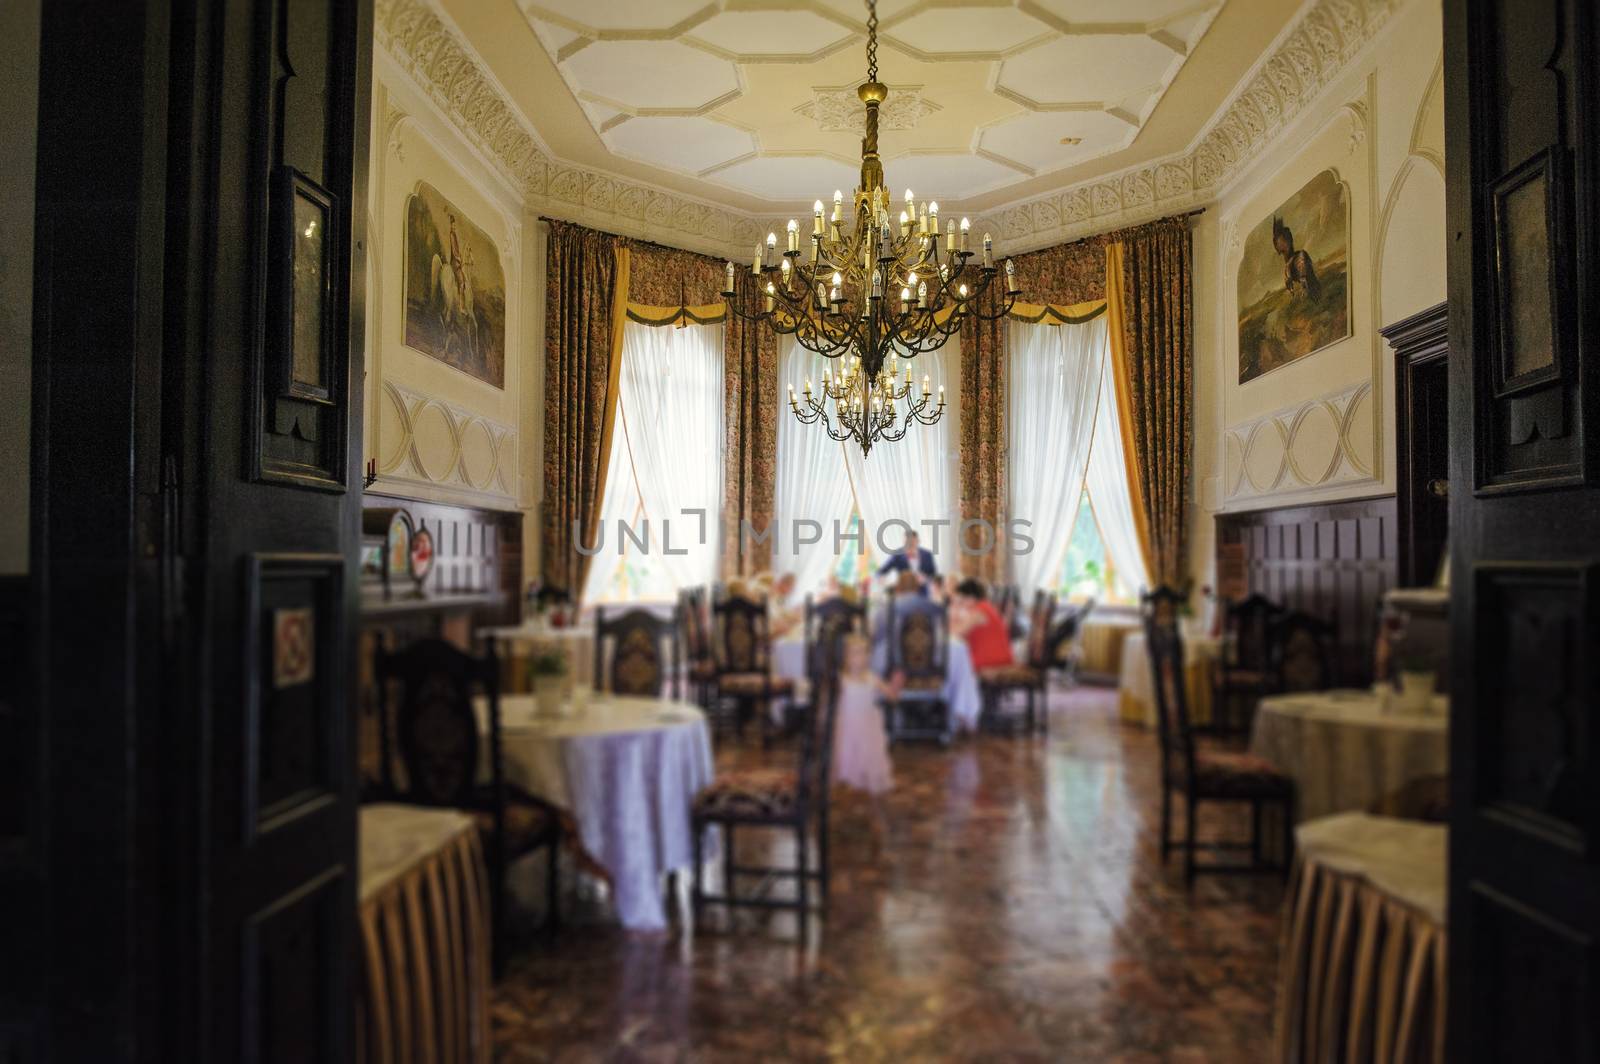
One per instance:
(840,302)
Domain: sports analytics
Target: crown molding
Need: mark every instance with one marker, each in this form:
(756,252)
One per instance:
(1307,57)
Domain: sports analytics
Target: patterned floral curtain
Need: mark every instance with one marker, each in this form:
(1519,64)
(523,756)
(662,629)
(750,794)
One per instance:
(1155,380)
(581,361)
(1064,275)
(664,277)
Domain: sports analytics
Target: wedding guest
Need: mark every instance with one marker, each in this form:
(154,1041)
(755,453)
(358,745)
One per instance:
(860,746)
(784,615)
(911,558)
(974,618)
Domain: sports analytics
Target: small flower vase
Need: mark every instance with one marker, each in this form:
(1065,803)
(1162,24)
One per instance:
(1416,691)
(549,693)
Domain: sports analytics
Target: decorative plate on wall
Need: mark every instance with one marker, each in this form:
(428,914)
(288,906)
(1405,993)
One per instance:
(421,556)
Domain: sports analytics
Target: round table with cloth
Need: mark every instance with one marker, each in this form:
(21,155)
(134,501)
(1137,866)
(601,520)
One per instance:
(960,686)
(1136,702)
(626,769)
(1362,967)
(1345,751)
(424,915)
(517,642)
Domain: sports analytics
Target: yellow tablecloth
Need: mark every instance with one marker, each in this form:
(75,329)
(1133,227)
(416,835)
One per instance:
(1362,975)
(1102,639)
(424,914)
(1136,702)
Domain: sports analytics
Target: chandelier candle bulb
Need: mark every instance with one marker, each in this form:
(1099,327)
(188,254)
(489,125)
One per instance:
(772,243)
(949,237)
(769,297)
(755,264)
(1011,277)
(962,291)
(933,214)
(905,224)
(988,252)
(922,293)
(794,235)
(816,226)
(727,281)
(965,226)
(924,384)
(838,206)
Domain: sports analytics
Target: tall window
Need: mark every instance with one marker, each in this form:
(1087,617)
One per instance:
(665,467)
(1088,570)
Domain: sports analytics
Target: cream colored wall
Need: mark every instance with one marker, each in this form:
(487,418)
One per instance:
(1322,428)
(439,433)
(19,80)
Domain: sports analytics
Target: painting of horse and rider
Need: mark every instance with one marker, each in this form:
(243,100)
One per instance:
(455,294)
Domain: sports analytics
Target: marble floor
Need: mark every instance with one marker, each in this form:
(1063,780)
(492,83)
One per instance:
(1015,910)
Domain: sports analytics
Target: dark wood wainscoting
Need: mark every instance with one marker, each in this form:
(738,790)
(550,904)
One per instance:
(1332,560)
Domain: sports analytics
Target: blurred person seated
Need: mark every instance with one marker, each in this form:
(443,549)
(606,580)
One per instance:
(974,618)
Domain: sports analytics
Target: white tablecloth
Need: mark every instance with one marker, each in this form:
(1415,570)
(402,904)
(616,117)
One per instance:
(1344,751)
(1136,695)
(627,769)
(516,642)
(960,685)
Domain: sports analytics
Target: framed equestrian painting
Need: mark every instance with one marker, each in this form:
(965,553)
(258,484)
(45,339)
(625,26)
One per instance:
(455,288)
(1294,279)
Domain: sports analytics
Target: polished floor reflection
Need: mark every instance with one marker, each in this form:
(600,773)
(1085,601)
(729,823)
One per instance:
(1015,910)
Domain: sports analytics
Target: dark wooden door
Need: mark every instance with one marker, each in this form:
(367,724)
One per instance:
(1522,120)
(202,205)
(1421,441)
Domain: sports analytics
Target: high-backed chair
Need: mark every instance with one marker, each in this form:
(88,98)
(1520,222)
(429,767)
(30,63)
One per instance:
(695,632)
(636,653)
(1305,653)
(1244,668)
(742,650)
(823,624)
(1028,675)
(439,740)
(793,799)
(1202,774)
(1065,629)
(917,630)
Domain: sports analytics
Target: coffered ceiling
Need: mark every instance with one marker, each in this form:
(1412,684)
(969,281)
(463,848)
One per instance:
(759,98)
(996,106)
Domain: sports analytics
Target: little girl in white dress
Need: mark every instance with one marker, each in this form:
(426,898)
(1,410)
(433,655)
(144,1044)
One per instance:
(860,746)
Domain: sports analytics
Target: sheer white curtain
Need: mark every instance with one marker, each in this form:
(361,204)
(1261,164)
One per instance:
(667,441)
(812,485)
(910,480)
(1055,373)
(1109,490)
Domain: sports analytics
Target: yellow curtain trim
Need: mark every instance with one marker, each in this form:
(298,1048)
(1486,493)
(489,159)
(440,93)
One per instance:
(705,314)
(1058,313)
(608,421)
(1116,308)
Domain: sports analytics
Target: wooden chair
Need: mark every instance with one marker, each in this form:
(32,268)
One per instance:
(1203,774)
(1244,670)
(1064,632)
(694,632)
(439,748)
(794,799)
(742,651)
(1305,653)
(824,623)
(636,653)
(1029,675)
(918,632)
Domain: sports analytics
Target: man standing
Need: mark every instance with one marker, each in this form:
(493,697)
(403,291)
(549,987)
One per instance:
(913,559)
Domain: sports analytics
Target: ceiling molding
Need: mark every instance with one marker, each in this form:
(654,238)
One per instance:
(1311,53)
(1307,57)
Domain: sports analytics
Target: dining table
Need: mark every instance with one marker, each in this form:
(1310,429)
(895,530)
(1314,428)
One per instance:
(1136,703)
(516,643)
(626,769)
(961,691)
(1347,750)
(425,954)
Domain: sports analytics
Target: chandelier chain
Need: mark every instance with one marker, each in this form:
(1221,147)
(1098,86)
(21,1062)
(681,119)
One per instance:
(872,40)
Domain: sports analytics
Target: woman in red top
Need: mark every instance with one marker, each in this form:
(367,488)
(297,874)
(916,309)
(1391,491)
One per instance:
(975,619)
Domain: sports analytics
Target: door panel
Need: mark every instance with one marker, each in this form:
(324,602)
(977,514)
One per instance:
(1521,124)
